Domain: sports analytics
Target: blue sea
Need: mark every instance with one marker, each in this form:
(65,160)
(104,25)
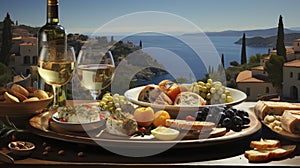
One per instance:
(192,56)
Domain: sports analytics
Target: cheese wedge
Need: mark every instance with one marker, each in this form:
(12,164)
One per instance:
(290,121)
(263,108)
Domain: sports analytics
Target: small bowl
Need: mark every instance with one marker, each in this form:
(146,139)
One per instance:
(164,133)
(21,148)
(80,127)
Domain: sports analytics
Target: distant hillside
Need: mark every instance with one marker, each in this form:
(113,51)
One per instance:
(269,41)
(249,33)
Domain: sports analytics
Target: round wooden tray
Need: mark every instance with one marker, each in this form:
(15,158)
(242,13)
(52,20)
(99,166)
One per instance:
(40,125)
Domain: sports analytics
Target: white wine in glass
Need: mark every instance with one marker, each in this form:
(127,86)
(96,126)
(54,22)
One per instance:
(95,70)
(56,71)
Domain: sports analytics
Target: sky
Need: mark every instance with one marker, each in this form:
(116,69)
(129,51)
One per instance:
(79,16)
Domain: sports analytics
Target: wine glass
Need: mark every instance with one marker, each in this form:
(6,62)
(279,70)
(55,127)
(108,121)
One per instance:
(95,70)
(56,68)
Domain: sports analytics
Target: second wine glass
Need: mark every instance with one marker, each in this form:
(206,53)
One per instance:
(95,70)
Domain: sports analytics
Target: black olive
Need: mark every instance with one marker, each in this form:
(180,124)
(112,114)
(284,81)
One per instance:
(237,120)
(229,113)
(226,122)
(240,113)
(236,128)
(246,120)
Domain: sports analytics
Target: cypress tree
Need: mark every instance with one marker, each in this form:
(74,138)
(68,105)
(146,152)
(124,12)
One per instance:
(222,60)
(243,53)
(141,44)
(6,40)
(280,47)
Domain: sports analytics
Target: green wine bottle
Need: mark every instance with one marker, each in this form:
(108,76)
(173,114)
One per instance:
(52,40)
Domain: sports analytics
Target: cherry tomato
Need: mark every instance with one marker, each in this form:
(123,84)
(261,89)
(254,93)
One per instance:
(63,120)
(143,129)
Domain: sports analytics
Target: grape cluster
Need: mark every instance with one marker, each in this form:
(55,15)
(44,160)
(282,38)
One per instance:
(230,118)
(213,91)
(115,102)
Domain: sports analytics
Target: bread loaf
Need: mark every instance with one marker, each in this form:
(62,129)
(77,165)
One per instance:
(40,94)
(263,108)
(153,94)
(20,89)
(20,96)
(290,121)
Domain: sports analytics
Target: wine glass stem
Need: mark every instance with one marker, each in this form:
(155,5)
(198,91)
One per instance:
(94,94)
(55,96)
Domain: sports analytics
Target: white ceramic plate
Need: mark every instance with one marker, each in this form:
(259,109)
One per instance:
(78,127)
(132,95)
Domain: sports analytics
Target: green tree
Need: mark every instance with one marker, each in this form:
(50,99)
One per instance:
(234,63)
(274,68)
(243,53)
(280,47)
(5,74)
(6,40)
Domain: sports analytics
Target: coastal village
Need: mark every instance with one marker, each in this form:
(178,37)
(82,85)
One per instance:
(254,82)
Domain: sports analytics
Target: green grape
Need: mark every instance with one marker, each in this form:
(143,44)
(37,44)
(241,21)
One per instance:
(204,89)
(220,91)
(208,85)
(209,81)
(212,90)
(200,83)
(229,99)
(115,102)
(217,85)
(227,92)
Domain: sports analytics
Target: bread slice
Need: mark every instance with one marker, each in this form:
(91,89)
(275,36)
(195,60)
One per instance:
(10,98)
(263,155)
(263,108)
(265,144)
(290,121)
(189,99)
(190,125)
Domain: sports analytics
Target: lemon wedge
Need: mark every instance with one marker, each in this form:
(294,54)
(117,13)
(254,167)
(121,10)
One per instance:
(164,133)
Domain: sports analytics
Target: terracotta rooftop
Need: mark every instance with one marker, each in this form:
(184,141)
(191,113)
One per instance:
(295,63)
(246,77)
(27,44)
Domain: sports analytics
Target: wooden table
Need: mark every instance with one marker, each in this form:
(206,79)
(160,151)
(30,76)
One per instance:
(228,154)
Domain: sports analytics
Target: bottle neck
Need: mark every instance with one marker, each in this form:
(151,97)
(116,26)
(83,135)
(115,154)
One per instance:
(52,12)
